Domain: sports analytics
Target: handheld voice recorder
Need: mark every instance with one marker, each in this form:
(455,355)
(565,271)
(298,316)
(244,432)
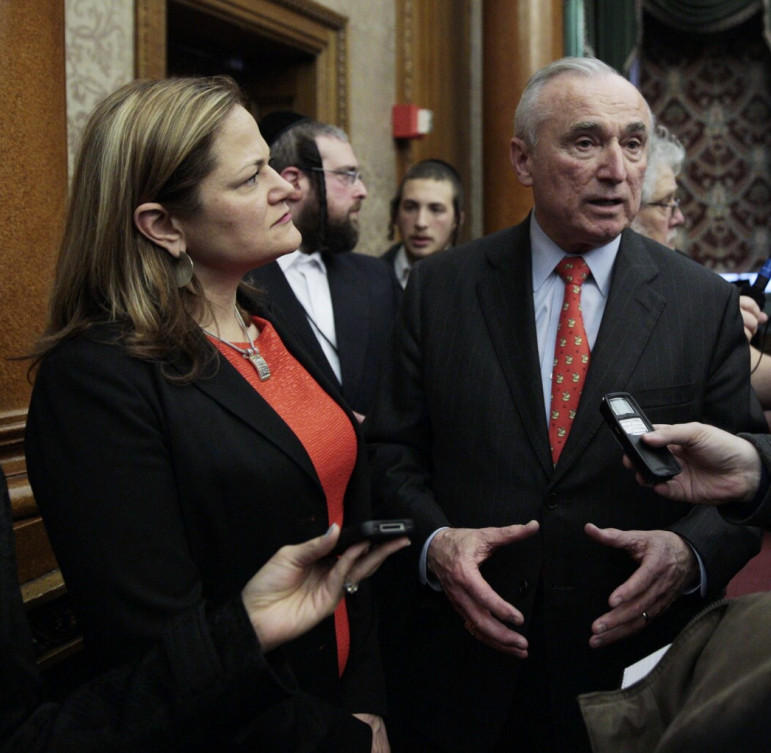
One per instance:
(629,423)
(374,531)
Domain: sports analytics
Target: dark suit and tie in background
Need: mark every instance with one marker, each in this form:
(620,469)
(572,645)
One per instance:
(342,304)
(509,620)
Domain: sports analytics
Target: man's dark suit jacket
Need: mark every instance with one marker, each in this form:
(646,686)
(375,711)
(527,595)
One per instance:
(458,437)
(389,255)
(365,299)
(159,497)
(760,515)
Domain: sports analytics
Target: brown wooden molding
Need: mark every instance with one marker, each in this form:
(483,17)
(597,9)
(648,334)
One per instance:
(433,72)
(520,36)
(405,50)
(150,39)
(301,24)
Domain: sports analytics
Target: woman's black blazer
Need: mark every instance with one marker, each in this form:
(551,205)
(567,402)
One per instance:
(159,496)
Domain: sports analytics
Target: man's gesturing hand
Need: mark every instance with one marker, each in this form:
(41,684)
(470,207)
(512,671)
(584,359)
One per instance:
(454,556)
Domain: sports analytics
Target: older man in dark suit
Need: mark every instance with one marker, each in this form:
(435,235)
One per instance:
(342,304)
(544,568)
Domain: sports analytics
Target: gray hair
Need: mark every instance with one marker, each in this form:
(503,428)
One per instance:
(530,113)
(664,149)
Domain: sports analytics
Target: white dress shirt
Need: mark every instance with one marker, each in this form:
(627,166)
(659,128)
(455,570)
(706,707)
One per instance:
(307,276)
(402,266)
(549,291)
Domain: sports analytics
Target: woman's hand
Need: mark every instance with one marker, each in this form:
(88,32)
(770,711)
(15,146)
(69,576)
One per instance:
(380,742)
(300,585)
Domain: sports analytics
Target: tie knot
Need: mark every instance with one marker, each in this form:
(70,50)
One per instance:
(573,269)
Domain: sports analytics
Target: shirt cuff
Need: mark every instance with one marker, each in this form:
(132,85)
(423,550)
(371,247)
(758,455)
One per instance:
(426,579)
(701,586)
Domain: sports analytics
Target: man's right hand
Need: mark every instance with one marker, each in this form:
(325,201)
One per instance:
(454,556)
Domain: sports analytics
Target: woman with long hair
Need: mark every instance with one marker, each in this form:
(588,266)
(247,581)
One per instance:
(177,434)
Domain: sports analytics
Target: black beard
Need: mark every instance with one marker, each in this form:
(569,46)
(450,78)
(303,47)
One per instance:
(339,236)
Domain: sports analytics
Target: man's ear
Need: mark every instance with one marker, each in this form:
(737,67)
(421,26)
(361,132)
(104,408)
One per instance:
(294,176)
(157,225)
(520,156)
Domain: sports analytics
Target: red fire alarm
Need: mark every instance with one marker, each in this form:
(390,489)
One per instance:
(411,121)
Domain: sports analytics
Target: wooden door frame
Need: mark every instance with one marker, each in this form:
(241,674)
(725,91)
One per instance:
(301,24)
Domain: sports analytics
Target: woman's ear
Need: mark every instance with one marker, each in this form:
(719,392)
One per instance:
(157,225)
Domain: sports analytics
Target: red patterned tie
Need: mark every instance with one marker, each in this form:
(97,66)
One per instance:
(571,355)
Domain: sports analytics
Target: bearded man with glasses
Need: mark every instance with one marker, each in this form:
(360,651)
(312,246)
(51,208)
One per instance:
(342,303)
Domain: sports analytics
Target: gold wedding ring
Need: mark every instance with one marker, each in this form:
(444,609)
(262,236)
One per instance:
(471,627)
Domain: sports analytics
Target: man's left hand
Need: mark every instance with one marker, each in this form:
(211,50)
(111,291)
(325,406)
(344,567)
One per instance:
(667,566)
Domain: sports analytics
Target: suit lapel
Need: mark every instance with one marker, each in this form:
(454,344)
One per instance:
(280,294)
(351,306)
(228,388)
(235,395)
(506,298)
(634,306)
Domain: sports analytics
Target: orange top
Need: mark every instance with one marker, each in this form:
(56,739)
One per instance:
(319,423)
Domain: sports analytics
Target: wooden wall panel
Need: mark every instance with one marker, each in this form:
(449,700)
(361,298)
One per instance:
(33,185)
(432,71)
(520,36)
(299,24)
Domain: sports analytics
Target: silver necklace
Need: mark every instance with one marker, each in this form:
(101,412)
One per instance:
(251,354)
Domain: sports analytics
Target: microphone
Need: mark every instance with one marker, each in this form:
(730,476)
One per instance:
(757,291)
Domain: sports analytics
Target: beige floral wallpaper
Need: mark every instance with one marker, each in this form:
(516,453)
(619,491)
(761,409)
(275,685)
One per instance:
(99,39)
(371,53)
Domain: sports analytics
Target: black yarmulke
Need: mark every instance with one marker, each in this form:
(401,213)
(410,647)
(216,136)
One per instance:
(276,123)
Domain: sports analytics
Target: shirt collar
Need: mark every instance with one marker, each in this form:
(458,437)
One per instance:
(402,264)
(547,254)
(297,259)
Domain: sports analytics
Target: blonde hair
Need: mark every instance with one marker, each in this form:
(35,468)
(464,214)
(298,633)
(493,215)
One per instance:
(150,141)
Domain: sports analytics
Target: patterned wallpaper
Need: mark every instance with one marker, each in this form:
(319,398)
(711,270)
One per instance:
(372,81)
(99,39)
(714,93)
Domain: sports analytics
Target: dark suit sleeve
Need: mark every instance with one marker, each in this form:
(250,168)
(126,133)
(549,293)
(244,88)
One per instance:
(756,513)
(730,404)
(398,429)
(100,467)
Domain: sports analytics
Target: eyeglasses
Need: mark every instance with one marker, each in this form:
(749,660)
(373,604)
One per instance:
(349,177)
(672,206)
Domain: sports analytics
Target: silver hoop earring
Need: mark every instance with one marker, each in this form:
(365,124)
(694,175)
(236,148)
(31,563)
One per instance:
(183,270)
